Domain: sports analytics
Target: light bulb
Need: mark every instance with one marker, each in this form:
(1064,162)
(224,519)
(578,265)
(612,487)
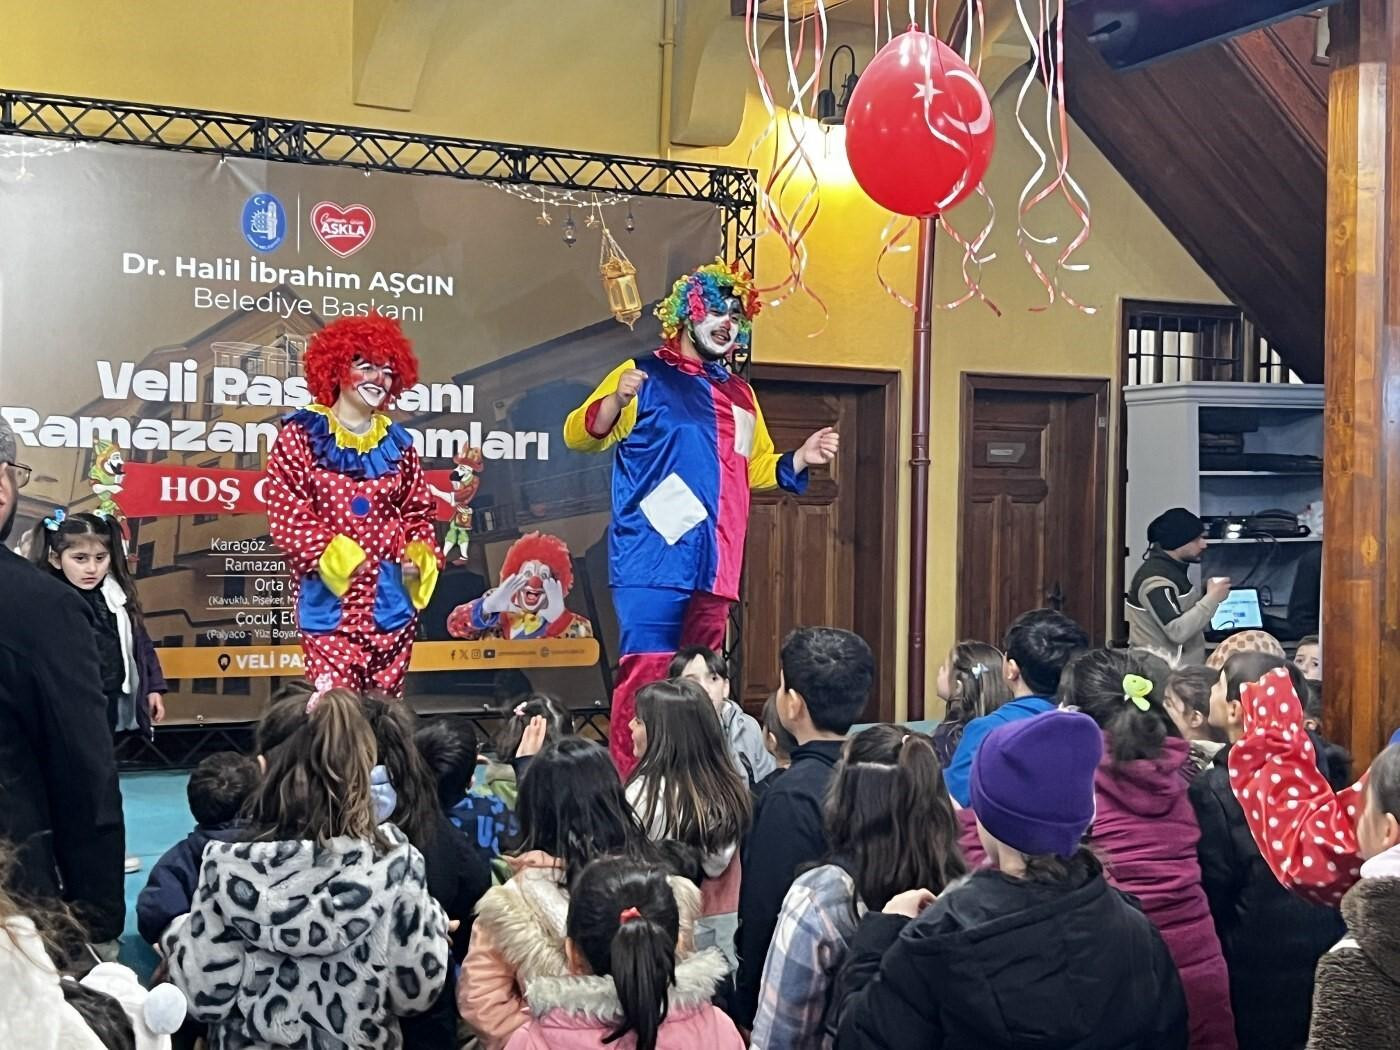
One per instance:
(570,232)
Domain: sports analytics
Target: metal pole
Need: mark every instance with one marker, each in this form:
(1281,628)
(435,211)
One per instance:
(918,469)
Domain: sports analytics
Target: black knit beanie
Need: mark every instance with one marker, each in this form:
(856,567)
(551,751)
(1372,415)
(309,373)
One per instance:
(1175,528)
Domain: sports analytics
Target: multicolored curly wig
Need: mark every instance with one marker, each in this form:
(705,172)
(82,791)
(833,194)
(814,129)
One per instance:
(542,547)
(375,338)
(709,287)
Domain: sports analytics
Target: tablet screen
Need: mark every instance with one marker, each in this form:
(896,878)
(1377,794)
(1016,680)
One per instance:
(1238,611)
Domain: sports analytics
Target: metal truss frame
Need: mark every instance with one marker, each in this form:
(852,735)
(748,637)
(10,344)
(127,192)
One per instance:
(734,191)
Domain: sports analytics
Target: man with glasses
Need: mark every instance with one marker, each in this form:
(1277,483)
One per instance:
(60,804)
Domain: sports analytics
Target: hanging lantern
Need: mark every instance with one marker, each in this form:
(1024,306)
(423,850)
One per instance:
(619,281)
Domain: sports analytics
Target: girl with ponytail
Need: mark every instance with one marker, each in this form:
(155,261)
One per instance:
(625,982)
(323,895)
(86,552)
(889,826)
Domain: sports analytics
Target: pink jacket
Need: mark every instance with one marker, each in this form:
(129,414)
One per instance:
(519,936)
(1146,832)
(577,1013)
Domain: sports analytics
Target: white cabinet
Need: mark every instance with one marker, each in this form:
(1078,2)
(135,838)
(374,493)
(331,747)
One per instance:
(1251,436)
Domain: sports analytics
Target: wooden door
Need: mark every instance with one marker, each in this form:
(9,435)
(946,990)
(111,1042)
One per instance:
(1033,518)
(807,554)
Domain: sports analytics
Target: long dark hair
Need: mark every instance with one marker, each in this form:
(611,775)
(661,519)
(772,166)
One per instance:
(449,747)
(571,806)
(317,782)
(888,818)
(977,683)
(624,920)
(416,812)
(559,723)
(690,789)
(1094,683)
(44,541)
(280,722)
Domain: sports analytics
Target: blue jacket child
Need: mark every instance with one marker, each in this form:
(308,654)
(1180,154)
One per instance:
(218,787)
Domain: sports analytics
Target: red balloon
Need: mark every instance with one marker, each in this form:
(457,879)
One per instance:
(919,127)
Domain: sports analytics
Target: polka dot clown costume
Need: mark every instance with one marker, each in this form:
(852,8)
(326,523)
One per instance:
(690,444)
(348,503)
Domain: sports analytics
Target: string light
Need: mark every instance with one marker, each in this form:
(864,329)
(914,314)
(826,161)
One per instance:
(26,149)
(548,197)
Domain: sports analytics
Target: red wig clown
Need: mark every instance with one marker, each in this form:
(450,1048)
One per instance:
(536,575)
(348,503)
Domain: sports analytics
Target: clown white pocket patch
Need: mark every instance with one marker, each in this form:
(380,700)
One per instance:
(744,422)
(673,509)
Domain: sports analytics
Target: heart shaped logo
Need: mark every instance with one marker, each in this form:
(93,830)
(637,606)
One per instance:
(224,661)
(344,230)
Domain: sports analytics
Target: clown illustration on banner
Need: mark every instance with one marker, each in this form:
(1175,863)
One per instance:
(536,576)
(466,481)
(348,503)
(690,445)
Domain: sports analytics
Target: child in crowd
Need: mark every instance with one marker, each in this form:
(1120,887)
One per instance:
(87,553)
(1144,826)
(1187,701)
(1039,951)
(972,682)
(1270,938)
(449,747)
(685,789)
(1252,641)
(572,811)
(456,874)
(1356,1004)
(1308,658)
(318,929)
(824,681)
(1038,645)
(742,734)
(217,790)
(778,742)
(624,979)
(504,775)
(889,826)
(1336,763)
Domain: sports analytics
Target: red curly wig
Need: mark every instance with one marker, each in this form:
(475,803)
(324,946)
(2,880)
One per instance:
(540,546)
(375,338)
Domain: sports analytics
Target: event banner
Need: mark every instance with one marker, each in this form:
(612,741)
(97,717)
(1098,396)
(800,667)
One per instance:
(154,311)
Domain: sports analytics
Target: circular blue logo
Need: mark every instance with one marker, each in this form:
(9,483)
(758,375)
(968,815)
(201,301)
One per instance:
(360,506)
(264,222)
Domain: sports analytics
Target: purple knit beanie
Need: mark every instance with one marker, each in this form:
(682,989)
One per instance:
(1033,782)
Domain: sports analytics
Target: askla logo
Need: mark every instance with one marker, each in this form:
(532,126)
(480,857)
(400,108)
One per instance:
(264,222)
(344,229)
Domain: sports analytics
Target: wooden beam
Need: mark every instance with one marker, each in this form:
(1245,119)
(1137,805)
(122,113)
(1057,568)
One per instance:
(1361,585)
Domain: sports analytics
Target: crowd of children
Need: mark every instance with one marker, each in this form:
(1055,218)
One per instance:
(1092,850)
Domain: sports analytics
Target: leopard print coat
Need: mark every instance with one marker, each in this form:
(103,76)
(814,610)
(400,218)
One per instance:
(298,944)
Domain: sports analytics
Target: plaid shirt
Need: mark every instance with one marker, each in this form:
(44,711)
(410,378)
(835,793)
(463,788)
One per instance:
(809,945)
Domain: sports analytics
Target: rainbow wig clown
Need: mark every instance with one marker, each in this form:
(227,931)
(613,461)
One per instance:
(709,288)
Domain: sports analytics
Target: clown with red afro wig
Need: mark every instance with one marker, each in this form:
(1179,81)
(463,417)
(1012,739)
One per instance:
(348,504)
(374,340)
(537,573)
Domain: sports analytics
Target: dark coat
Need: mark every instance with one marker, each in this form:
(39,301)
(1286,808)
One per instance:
(787,834)
(1357,1002)
(149,676)
(60,802)
(170,887)
(457,876)
(1271,939)
(999,963)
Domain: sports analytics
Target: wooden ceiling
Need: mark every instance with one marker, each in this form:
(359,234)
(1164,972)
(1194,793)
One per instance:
(1228,146)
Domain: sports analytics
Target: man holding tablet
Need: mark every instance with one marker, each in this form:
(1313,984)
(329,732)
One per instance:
(1165,611)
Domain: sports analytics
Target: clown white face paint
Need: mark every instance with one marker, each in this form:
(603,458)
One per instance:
(715,333)
(532,595)
(371,382)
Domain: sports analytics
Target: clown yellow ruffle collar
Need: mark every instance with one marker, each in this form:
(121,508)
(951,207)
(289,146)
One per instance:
(373,454)
(345,438)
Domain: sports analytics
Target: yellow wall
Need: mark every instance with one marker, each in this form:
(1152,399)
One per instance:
(587,75)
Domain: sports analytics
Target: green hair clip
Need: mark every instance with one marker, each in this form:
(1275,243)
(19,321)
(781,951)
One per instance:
(1136,690)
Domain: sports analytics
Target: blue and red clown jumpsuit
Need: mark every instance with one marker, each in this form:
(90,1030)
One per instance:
(690,447)
(338,500)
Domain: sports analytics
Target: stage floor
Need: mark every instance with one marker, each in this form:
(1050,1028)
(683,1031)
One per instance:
(157,817)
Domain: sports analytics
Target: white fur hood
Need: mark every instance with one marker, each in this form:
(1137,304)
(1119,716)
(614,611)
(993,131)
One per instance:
(593,1000)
